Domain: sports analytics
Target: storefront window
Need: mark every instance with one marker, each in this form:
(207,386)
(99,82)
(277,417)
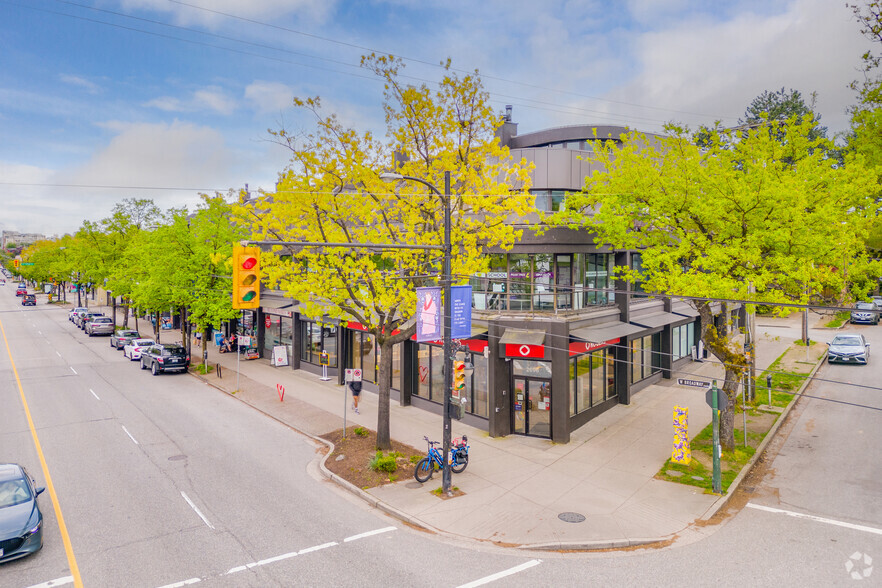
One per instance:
(424,371)
(315,338)
(543,280)
(436,392)
(480,397)
(645,357)
(590,379)
(520,277)
(488,288)
(396,366)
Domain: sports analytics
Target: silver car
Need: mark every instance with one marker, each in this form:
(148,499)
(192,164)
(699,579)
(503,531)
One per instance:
(849,348)
(100,325)
(865,312)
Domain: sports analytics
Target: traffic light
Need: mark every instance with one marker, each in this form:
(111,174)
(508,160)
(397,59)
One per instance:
(459,378)
(16,262)
(246,277)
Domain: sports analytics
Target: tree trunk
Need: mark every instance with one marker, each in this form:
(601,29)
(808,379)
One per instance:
(125,302)
(384,380)
(156,325)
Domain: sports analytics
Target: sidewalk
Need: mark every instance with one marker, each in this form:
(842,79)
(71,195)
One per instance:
(515,487)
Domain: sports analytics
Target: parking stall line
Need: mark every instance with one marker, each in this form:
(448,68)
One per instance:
(58,354)
(74,371)
(93,394)
(816,519)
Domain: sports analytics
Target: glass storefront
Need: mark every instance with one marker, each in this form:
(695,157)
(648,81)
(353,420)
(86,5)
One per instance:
(364,355)
(315,338)
(682,340)
(645,357)
(430,378)
(592,379)
(277,331)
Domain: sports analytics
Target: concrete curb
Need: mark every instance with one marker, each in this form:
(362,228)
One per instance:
(345,484)
(591,545)
(723,500)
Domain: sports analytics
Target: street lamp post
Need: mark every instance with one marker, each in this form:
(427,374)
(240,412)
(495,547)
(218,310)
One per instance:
(446,281)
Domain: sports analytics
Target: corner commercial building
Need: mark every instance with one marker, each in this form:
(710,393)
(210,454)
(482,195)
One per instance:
(556,340)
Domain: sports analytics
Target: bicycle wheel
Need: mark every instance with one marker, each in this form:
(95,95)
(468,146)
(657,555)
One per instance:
(423,470)
(460,461)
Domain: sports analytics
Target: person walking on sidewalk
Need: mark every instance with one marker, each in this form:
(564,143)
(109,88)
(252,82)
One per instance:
(355,386)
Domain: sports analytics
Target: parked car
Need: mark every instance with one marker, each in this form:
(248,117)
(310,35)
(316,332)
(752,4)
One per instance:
(100,325)
(74,312)
(29,300)
(848,348)
(87,318)
(877,300)
(165,358)
(21,522)
(865,312)
(133,350)
(21,290)
(120,339)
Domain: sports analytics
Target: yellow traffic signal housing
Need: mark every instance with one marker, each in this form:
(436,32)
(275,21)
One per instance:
(246,277)
(459,378)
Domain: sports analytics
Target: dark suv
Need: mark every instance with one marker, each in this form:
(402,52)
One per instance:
(165,358)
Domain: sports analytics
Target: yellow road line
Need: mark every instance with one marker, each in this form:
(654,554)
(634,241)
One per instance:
(68,549)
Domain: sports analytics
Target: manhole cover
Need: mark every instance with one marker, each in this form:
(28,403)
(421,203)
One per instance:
(571,517)
(177,457)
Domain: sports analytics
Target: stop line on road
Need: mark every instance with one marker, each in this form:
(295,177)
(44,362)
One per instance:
(817,519)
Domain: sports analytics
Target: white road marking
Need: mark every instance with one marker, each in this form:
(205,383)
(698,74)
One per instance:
(317,547)
(369,533)
(184,583)
(503,574)
(39,332)
(270,560)
(74,371)
(127,431)
(58,354)
(193,506)
(55,582)
(800,515)
(93,394)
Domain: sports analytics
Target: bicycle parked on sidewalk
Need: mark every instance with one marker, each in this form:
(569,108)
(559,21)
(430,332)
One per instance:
(459,459)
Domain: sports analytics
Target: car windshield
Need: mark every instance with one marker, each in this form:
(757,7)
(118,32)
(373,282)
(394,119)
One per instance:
(142,342)
(848,341)
(14,492)
(128,333)
(864,305)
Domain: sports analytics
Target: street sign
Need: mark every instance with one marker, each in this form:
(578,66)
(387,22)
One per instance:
(722,398)
(695,383)
(352,375)
(27,263)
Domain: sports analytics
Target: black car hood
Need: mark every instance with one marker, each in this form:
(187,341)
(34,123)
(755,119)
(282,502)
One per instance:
(14,518)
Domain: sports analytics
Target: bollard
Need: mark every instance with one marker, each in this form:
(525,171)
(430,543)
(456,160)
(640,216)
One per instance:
(769,384)
(218,368)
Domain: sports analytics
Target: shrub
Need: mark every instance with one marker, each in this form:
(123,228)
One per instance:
(361,431)
(383,463)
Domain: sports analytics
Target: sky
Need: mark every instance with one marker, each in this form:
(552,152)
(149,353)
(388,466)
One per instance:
(105,100)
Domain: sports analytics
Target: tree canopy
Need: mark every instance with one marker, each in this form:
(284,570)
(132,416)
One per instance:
(772,211)
(332,193)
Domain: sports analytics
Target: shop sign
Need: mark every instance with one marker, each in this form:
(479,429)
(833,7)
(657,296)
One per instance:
(268,322)
(580,347)
(524,350)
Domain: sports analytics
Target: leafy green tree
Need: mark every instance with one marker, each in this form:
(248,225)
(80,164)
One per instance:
(781,106)
(332,193)
(744,209)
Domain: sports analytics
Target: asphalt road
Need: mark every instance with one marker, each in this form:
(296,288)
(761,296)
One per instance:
(164,480)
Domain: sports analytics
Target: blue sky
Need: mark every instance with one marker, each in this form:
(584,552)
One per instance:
(162,99)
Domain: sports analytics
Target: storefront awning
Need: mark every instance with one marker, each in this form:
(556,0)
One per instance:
(513,336)
(276,303)
(605,332)
(685,310)
(657,319)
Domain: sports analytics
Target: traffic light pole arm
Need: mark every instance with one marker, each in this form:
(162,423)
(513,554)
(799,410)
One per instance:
(366,245)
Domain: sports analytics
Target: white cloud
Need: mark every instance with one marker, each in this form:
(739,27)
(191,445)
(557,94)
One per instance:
(269,96)
(209,13)
(210,98)
(90,87)
(717,68)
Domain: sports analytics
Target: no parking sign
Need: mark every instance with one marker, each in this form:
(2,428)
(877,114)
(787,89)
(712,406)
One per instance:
(353,375)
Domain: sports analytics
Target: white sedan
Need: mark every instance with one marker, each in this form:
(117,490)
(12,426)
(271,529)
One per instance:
(133,349)
(76,311)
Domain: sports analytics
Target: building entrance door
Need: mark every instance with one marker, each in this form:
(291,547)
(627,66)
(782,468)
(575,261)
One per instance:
(531,407)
